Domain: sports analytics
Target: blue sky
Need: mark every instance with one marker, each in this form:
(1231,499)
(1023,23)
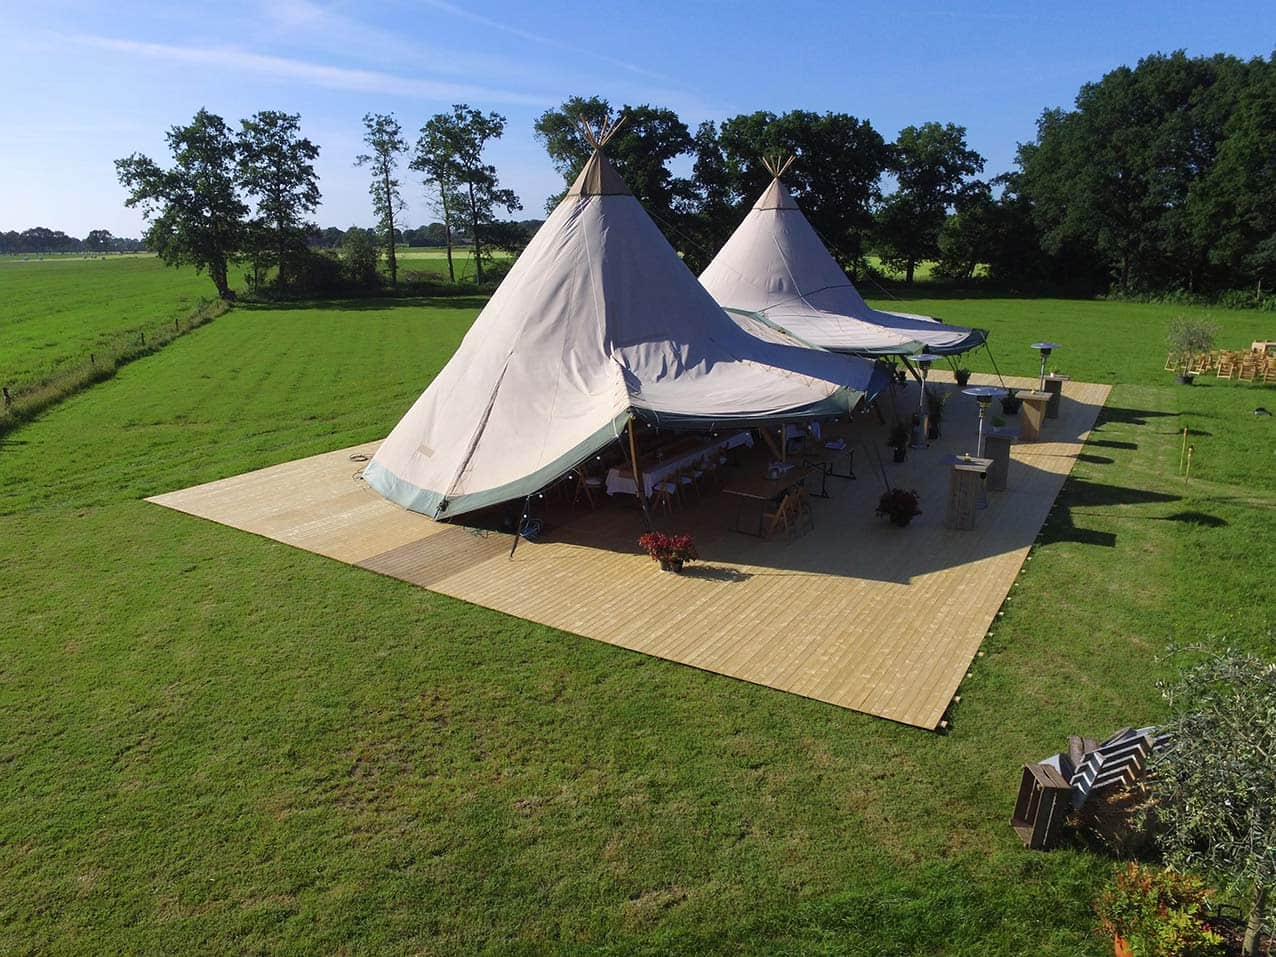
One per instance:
(86,82)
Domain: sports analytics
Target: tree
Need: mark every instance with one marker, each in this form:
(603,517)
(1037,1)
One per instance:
(836,177)
(436,157)
(968,236)
(451,153)
(276,167)
(193,211)
(931,164)
(650,138)
(359,257)
(98,240)
(1216,781)
(1121,173)
(385,139)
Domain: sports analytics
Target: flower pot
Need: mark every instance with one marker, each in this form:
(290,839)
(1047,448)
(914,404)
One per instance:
(932,432)
(901,520)
(900,454)
(1184,379)
(1010,406)
(1121,947)
(671,565)
(962,380)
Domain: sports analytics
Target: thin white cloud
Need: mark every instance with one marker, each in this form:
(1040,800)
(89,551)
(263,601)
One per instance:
(315,74)
(452,9)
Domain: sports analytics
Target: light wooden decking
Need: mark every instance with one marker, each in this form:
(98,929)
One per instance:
(857,613)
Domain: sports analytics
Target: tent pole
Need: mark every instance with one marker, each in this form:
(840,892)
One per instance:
(638,483)
(518,532)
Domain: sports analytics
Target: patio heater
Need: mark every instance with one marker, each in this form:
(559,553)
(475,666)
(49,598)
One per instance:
(923,360)
(984,394)
(1046,348)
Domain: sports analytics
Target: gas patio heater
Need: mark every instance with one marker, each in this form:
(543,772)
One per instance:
(923,360)
(984,394)
(1046,348)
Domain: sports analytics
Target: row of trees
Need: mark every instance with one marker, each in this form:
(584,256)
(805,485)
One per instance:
(41,239)
(251,192)
(1162,177)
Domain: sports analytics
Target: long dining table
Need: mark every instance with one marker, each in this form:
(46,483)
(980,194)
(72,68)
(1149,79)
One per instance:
(664,463)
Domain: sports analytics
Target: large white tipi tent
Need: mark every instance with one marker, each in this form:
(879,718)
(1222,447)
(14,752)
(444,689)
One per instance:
(775,270)
(597,322)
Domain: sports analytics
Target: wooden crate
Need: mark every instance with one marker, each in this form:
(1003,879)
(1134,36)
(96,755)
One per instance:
(1045,799)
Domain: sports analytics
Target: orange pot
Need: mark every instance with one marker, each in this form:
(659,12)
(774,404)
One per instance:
(1121,947)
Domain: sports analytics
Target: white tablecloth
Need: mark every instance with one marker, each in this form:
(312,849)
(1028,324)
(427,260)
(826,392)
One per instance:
(620,482)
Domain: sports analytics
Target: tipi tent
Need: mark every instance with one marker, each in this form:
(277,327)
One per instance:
(597,322)
(775,270)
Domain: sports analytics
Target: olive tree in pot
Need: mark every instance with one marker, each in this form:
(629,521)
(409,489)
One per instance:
(962,376)
(1010,402)
(1215,784)
(1189,337)
(935,401)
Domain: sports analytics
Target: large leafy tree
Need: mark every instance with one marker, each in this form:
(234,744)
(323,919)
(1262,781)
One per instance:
(276,168)
(650,138)
(1119,172)
(836,176)
(194,212)
(1216,782)
(450,153)
(1234,203)
(932,166)
(384,138)
(435,159)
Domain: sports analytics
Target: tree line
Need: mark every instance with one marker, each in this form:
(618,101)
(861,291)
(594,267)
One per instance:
(1160,178)
(41,239)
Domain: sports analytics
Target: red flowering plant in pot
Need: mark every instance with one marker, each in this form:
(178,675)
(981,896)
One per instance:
(670,550)
(899,505)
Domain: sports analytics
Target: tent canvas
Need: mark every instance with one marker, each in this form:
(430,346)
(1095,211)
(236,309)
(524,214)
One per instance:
(598,322)
(775,270)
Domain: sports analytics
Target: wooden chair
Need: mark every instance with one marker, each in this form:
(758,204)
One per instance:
(1171,362)
(1269,371)
(663,495)
(1249,368)
(780,515)
(1199,364)
(1227,365)
(686,482)
(586,485)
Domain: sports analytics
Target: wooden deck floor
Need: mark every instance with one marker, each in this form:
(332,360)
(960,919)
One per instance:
(857,613)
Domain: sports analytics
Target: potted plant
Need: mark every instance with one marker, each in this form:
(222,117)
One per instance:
(1157,913)
(899,440)
(935,401)
(962,376)
(998,422)
(899,505)
(670,550)
(1010,402)
(901,376)
(1189,337)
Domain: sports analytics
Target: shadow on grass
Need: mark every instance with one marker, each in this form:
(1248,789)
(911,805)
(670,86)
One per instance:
(1112,444)
(1203,519)
(1115,413)
(1077,493)
(1095,459)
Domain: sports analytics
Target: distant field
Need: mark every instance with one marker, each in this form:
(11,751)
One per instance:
(57,310)
(216,743)
(433,261)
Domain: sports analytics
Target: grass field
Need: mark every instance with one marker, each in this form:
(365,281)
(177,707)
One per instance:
(58,309)
(432,261)
(215,743)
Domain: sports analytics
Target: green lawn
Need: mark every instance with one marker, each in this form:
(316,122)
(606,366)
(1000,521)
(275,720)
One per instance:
(57,310)
(215,743)
(432,261)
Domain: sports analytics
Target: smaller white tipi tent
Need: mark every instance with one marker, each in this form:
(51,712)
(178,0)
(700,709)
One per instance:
(598,322)
(775,270)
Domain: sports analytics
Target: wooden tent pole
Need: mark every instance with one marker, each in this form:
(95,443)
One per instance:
(638,483)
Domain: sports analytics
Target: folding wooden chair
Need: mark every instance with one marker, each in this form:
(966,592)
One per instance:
(662,496)
(1249,368)
(1269,371)
(586,485)
(1171,362)
(1227,365)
